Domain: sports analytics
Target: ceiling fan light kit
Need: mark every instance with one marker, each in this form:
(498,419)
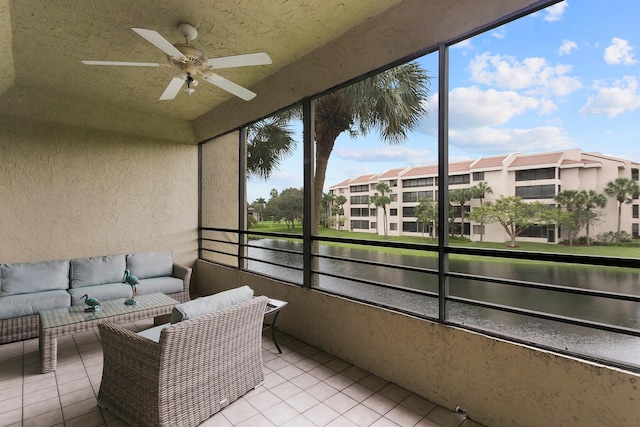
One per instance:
(192,62)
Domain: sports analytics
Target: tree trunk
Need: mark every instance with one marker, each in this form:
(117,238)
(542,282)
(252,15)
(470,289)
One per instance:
(619,221)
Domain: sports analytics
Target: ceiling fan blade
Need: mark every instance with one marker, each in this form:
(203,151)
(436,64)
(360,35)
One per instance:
(172,89)
(160,42)
(124,64)
(229,86)
(259,58)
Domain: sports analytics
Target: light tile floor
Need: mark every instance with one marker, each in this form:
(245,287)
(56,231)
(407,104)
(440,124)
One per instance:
(304,387)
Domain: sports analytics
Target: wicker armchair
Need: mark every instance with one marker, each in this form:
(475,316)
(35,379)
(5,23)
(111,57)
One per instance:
(198,367)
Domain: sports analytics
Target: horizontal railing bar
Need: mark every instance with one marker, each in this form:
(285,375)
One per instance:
(547,316)
(546,256)
(375,304)
(379,284)
(270,263)
(548,287)
(366,262)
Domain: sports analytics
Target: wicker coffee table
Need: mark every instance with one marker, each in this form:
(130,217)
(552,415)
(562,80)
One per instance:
(68,320)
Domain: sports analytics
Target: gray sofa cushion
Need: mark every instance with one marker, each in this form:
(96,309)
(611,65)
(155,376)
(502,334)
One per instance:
(150,264)
(166,285)
(102,292)
(211,303)
(31,277)
(26,304)
(97,270)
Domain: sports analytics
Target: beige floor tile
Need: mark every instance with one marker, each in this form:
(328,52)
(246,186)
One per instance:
(302,402)
(322,391)
(403,416)
(239,411)
(379,403)
(9,405)
(264,400)
(340,402)
(339,381)
(301,389)
(304,381)
(362,416)
(286,390)
(44,420)
(40,395)
(280,414)
(373,382)
(445,417)
(342,422)
(289,372)
(395,393)
(299,421)
(42,407)
(321,414)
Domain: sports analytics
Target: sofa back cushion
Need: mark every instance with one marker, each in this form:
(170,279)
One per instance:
(97,270)
(24,278)
(211,303)
(150,264)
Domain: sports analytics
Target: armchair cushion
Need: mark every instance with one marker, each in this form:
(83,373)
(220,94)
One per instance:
(211,303)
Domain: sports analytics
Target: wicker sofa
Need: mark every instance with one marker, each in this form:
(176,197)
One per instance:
(196,368)
(28,288)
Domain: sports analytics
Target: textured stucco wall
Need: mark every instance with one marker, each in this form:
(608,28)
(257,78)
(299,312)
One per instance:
(497,382)
(220,208)
(70,192)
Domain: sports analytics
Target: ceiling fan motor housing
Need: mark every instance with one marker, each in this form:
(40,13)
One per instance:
(195,58)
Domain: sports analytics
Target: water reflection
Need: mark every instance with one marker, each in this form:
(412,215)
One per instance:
(600,344)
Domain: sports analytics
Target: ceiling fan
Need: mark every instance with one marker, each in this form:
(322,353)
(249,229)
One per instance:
(192,62)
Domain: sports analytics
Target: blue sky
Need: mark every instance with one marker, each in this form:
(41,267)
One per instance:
(564,77)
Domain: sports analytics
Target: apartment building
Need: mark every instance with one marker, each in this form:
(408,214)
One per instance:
(534,177)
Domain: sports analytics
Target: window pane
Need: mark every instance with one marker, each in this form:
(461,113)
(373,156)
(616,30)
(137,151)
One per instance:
(275,195)
(382,187)
(533,106)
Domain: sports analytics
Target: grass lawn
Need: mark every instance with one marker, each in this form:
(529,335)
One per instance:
(612,251)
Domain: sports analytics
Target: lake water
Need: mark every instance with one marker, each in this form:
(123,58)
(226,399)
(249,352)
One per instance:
(615,347)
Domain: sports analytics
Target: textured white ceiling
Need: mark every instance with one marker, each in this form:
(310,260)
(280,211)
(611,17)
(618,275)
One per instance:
(48,39)
(314,44)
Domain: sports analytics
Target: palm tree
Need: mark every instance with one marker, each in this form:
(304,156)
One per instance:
(326,202)
(461,196)
(623,190)
(259,204)
(269,141)
(338,208)
(381,201)
(594,201)
(390,102)
(479,191)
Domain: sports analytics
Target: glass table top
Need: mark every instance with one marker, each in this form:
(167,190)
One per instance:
(76,314)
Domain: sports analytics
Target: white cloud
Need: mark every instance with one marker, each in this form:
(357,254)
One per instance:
(488,140)
(499,33)
(555,12)
(613,100)
(470,107)
(397,154)
(533,74)
(567,46)
(619,52)
(478,122)
(464,44)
